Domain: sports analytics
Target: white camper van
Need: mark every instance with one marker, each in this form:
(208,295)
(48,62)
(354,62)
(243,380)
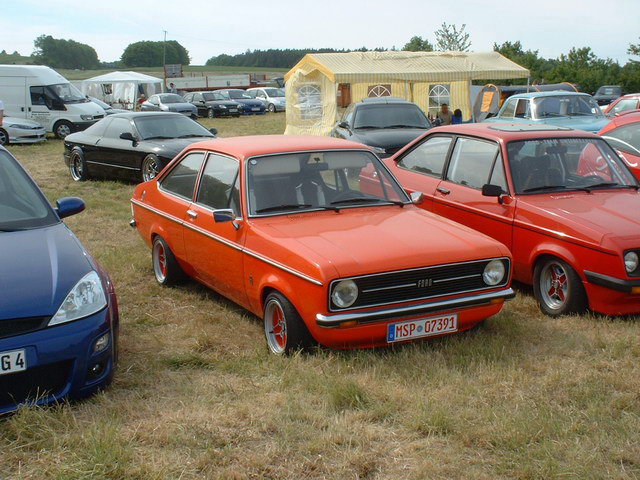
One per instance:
(43,95)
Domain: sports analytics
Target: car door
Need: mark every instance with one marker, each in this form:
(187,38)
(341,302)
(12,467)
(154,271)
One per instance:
(474,163)
(420,168)
(117,152)
(198,101)
(214,248)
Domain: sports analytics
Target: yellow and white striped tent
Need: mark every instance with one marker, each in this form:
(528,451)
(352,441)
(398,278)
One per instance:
(320,82)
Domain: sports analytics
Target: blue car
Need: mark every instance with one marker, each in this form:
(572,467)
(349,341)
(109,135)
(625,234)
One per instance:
(58,308)
(557,108)
(248,104)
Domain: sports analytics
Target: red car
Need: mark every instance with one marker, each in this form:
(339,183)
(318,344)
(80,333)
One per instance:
(280,225)
(623,134)
(622,104)
(562,201)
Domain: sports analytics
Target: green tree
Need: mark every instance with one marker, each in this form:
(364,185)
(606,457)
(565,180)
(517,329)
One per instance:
(450,37)
(149,54)
(60,53)
(418,44)
(634,49)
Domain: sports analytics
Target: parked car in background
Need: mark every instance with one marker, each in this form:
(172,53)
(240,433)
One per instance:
(623,104)
(135,145)
(562,201)
(607,94)
(274,224)
(623,134)
(386,124)
(561,109)
(58,307)
(108,109)
(169,102)
(21,130)
(213,104)
(273,98)
(249,104)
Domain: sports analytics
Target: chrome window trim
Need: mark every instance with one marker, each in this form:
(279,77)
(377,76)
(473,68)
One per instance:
(199,182)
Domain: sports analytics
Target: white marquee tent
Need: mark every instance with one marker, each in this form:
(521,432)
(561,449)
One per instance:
(121,89)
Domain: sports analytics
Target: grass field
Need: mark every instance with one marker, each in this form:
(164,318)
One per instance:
(197,395)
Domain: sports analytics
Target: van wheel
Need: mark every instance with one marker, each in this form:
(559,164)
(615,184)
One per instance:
(272,108)
(165,266)
(150,167)
(284,329)
(558,288)
(4,137)
(78,166)
(62,128)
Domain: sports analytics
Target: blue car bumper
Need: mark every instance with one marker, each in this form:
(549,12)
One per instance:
(61,361)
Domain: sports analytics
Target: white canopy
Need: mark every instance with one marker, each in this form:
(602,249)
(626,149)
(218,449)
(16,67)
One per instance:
(121,88)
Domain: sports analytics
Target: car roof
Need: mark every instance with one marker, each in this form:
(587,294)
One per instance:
(144,114)
(255,145)
(629,95)
(383,100)
(507,132)
(552,93)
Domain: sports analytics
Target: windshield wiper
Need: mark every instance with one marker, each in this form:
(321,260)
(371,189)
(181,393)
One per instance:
(604,184)
(551,187)
(364,127)
(191,135)
(368,200)
(551,114)
(157,137)
(297,206)
(405,126)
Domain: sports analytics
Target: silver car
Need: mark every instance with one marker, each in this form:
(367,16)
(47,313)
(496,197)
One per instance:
(273,98)
(169,102)
(21,130)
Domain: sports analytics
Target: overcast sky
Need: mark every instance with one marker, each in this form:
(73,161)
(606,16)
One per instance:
(210,27)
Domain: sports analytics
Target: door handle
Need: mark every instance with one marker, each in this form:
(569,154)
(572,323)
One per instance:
(192,214)
(443,190)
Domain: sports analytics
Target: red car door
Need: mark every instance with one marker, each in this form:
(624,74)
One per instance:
(213,239)
(475,163)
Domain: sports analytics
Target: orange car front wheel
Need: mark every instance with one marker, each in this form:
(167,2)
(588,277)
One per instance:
(284,329)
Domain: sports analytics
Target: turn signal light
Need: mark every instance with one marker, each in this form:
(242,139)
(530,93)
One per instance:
(348,323)
(635,290)
(495,301)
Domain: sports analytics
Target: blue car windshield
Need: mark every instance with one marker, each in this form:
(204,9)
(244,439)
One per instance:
(566,106)
(22,205)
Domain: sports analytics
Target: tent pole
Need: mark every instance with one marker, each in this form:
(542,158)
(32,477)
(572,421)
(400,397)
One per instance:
(528,82)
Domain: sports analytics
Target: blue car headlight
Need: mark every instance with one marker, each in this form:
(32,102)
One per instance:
(85,298)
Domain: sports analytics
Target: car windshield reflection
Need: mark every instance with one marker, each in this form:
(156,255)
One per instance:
(169,126)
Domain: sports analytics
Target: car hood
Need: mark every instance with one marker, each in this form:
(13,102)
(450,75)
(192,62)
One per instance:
(7,121)
(358,241)
(39,268)
(387,137)
(174,106)
(248,101)
(590,124)
(608,218)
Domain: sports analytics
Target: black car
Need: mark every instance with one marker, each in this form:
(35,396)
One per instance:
(249,104)
(607,94)
(131,145)
(386,124)
(213,104)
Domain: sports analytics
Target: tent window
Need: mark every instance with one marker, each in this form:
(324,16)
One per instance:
(310,102)
(438,94)
(379,90)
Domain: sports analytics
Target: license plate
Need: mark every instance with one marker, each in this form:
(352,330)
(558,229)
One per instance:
(423,327)
(233,110)
(255,109)
(11,362)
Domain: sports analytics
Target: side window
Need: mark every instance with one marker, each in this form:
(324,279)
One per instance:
(218,185)
(510,109)
(117,127)
(37,96)
(154,100)
(497,176)
(428,157)
(182,178)
(189,97)
(348,114)
(198,97)
(628,137)
(471,162)
(621,106)
(522,108)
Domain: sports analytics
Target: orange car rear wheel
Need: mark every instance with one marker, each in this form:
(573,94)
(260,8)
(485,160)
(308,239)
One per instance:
(165,266)
(284,329)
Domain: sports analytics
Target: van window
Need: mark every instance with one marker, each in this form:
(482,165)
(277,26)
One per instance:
(41,96)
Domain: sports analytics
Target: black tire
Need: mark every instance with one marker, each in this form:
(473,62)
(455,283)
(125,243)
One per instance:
(150,167)
(78,166)
(194,117)
(210,113)
(4,137)
(558,288)
(62,128)
(284,329)
(271,108)
(165,266)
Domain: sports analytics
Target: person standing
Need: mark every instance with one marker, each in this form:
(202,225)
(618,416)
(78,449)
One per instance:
(457,117)
(1,111)
(444,115)
(172,88)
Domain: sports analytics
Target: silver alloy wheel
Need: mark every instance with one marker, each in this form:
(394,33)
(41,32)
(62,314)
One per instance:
(63,130)
(554,285)
(159,261)
(210,113)
(275,327)
(149,168)
(4,137)
(272,108)
(76,168)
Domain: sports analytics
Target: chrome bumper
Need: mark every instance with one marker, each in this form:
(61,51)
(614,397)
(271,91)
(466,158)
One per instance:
(416,309)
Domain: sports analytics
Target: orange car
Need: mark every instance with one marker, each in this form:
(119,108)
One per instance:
(279,225)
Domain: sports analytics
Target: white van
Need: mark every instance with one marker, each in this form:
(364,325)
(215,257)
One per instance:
(43,95)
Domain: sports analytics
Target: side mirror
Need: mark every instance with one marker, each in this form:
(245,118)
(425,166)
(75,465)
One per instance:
(224,215)
(214,131)
(68,206)
(128,136)
(489,190)
(344,125)
(417,198)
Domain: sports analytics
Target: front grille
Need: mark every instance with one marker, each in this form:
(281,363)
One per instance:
(18,326)
(421,283)
(33,383)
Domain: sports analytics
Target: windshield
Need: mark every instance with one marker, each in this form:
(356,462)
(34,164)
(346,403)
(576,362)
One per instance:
(609,91)
(389,116)
(566,164)
(169,126)
(171,98)
(68,93)
(274,92)
(105,106)
(212,96)
(565,106)
(238,94)
(22,205)
(305,181)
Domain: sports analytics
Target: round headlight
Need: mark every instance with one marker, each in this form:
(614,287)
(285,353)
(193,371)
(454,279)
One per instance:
(494,272)
(631,261)
(344,294)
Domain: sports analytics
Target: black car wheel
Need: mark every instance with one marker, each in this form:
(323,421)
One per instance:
(272,108)
(150,167)
(78,166)
(62,128)
(4,137)
(210,113)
